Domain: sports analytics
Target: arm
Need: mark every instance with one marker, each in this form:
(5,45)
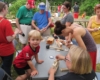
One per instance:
(31,65)
(34,26)
(10,38)
(89,26)
(51,77)
(49,19)
(17,24)
(37,60)
(79,40)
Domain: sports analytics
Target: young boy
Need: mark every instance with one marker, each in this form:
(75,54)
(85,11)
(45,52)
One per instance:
(23,62)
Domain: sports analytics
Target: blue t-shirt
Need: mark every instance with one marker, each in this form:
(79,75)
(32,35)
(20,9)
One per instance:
(41,19)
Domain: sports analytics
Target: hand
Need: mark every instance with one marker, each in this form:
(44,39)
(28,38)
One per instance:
(17,31)
(52,70)
(95,29)
(40,61)
(60,57)
(33,73)
(37,29)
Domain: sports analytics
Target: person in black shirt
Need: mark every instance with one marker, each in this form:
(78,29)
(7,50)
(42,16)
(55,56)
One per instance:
(78,63)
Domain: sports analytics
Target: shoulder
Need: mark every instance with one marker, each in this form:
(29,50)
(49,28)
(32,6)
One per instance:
(92,17)
(36,13)
(22,8)
(26,48)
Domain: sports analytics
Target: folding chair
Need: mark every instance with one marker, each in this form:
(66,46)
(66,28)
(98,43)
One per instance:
(4,75)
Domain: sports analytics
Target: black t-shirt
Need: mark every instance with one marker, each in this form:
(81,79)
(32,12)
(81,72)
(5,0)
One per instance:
(73,76)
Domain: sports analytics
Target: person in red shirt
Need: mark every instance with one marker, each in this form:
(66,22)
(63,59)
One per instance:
(6,37)
(23,62)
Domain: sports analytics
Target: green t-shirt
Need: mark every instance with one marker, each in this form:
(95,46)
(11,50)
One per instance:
(24,15)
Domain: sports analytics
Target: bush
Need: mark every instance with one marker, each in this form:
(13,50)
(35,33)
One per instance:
(88,6)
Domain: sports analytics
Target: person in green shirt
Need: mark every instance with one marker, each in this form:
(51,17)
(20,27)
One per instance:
(23,21)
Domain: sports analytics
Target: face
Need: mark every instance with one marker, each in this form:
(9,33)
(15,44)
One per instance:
(34,42)
(98,12)
(68,61)
(5,10)
(64,9)
(66,31)
(42,10)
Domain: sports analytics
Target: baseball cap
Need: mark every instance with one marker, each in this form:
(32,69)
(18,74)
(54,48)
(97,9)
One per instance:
(31,2)
(42,6)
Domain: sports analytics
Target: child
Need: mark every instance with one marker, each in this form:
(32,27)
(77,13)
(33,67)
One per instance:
(23,62)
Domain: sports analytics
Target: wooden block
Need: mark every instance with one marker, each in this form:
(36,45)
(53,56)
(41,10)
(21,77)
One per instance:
(55,64)
(50,40)
(58,43)
(64,69)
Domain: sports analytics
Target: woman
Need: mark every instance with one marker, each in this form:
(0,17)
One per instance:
(67,19)
(6,37)
(94,28)
(94,24)
(81,35)
(78,63)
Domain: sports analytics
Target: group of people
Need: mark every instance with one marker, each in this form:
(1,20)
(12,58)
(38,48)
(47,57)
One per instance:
(81,58)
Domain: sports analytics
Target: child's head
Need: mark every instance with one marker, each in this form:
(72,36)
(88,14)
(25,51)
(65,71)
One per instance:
(34,38)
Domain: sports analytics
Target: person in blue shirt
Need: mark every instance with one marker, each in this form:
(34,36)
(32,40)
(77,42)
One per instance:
(42,20)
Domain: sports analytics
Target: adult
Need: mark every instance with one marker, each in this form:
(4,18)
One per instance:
(81,35)
(76,10)
(94,24)
(67,19)
(6,37)
(78,63)
(42,20)
(23,21)
(94,28)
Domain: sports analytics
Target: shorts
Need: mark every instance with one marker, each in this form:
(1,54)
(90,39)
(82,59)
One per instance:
(25,29)
(76,15)
(21,71)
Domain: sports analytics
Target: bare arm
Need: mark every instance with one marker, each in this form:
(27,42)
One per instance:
(36,58)
(51,77)
(34,26)
(31,65)
(49,19)
(89,26)
(10,38)
(79,40)
(17,24)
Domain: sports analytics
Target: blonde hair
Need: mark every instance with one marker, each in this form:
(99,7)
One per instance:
(34,34)
(80,60)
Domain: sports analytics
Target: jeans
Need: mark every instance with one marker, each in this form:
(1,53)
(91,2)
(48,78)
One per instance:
(6,63)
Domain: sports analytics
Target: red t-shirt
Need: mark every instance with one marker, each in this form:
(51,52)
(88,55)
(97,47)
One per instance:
(26,54)
(6,48)
(59,8)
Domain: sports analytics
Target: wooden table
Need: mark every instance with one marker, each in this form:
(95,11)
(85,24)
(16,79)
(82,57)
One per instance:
(44,54)
(83,22)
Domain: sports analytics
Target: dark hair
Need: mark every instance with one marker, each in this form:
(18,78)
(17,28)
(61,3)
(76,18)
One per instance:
(2,6)
(97,7)
(67,5)
(58,28)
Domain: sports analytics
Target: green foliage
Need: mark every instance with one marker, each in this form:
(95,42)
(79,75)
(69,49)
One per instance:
(88,6)
(15,6)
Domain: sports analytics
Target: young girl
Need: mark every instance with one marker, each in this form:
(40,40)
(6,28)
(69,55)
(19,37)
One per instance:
(23,62)
(82,36)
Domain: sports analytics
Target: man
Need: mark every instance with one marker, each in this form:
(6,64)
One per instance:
(76,10)
(23,21)
(42,20)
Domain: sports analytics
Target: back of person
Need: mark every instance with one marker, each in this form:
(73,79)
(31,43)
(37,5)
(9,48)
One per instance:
(95,34)
(76,8)
(73,76)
